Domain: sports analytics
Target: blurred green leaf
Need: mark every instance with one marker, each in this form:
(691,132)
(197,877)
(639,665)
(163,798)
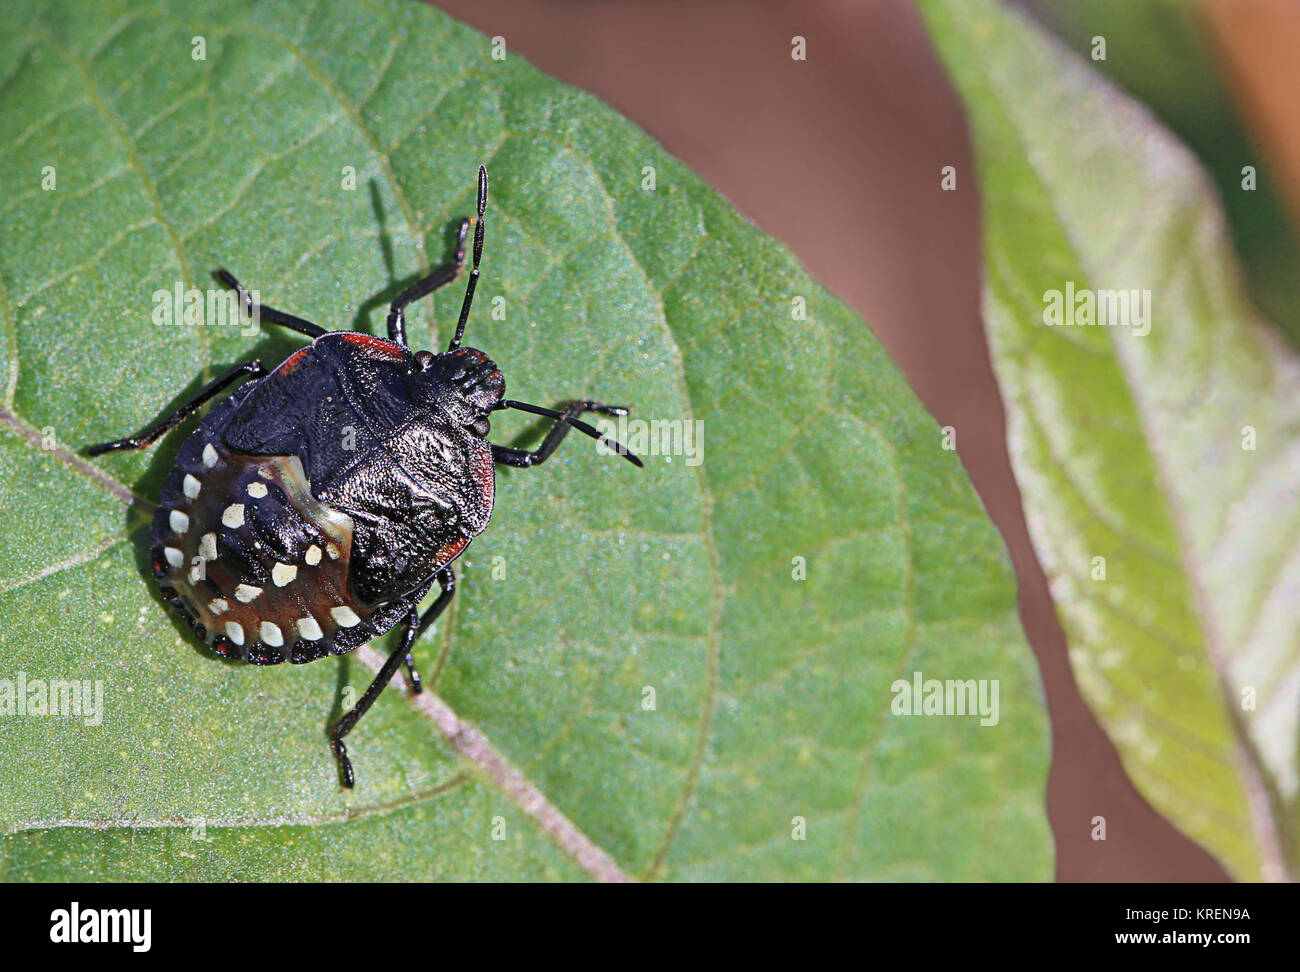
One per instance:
(1158,51)
(1137,448)
(595,581)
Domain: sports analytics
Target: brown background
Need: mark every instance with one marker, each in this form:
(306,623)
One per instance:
(839,156)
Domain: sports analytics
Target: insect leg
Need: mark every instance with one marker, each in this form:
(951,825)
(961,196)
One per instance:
(447,581)
(412,673)
(440,276)
(151,433)
(415,626)
(269,314)
(565,419)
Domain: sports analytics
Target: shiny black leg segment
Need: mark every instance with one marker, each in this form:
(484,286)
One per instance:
(447,581)
(415,626)
(269,314)
(151,433)
(413,675)
(440,276)
(565,419)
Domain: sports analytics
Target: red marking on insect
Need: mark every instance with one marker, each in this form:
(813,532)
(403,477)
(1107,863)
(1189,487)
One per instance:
(484,471)
(451,551)
(379,346)
(292,362)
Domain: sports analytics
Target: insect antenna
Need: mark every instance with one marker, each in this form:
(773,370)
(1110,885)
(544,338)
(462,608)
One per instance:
(478,255)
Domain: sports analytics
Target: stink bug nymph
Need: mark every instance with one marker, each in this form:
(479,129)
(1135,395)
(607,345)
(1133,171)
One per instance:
(313,508)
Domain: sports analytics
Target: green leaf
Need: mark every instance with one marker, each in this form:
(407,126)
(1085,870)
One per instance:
(1161,53)
(1174,455)
(595,581)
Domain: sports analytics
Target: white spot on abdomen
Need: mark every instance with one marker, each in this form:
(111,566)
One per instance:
(345,616)
(309,629)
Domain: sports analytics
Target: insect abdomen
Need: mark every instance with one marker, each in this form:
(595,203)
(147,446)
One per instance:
(259,567)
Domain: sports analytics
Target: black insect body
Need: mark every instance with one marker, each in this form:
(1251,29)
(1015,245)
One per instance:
(314,508)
